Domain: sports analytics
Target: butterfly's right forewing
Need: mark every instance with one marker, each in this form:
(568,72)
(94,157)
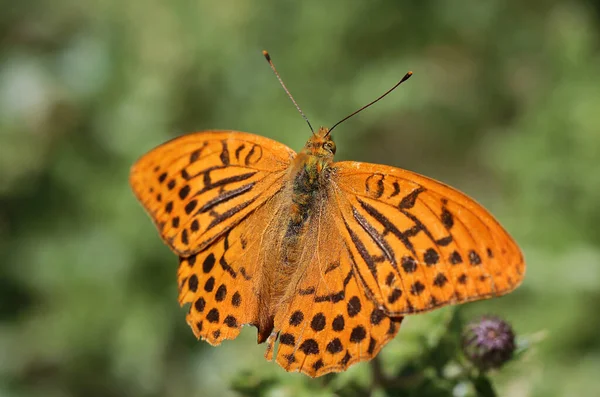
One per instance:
(213,196)
(199,186)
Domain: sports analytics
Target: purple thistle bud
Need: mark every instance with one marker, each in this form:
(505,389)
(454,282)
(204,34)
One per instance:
(488,342)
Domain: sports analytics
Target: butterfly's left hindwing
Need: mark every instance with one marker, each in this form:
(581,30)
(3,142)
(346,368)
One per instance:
(198,186)
(419,244)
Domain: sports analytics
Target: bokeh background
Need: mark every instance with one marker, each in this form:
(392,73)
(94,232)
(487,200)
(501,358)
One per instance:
(504,104)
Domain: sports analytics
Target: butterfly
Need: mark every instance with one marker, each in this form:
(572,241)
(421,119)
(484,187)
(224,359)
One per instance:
(324,258)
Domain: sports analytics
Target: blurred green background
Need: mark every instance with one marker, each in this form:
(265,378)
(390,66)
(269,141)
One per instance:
(504,104)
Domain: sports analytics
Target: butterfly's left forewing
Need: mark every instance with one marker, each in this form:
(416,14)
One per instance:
(419,244)
(199,186)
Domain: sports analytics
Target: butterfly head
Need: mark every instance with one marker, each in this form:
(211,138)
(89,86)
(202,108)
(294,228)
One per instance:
(320,144)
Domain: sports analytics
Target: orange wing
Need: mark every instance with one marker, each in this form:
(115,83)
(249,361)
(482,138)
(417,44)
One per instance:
(419,244)
(327,322)
(221,282)
(198,186)
(212,196)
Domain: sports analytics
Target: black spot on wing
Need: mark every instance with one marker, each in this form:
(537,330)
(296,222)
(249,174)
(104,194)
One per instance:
(184,191)
(447,218)
(309,346)
(238,151)
(189,207)
(455,258)
(431,257)
(224,153)
(440,280)
(474,258)
(409,264)
(396,189)
(444,241)
(374,185)
(417,288)
(410,199)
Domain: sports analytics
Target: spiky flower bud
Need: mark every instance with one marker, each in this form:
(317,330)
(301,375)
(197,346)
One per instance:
(488,342)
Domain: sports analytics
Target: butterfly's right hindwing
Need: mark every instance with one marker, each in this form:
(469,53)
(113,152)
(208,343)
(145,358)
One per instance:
(222,281)
(198,186)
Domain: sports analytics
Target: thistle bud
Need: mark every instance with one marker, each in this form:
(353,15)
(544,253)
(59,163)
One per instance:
(488,342)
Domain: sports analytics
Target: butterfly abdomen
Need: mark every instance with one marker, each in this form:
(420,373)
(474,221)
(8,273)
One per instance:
(287,265)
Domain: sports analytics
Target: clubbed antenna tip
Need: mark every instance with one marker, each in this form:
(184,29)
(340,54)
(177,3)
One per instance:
(406,77)
(268,58)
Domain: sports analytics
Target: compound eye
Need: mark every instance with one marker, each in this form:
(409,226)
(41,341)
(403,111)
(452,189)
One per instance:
(329,146)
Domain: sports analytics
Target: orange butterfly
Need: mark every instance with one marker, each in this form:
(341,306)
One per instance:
(324,257)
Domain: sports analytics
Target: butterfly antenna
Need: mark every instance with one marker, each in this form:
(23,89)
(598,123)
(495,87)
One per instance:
(268,57)
(406,77)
